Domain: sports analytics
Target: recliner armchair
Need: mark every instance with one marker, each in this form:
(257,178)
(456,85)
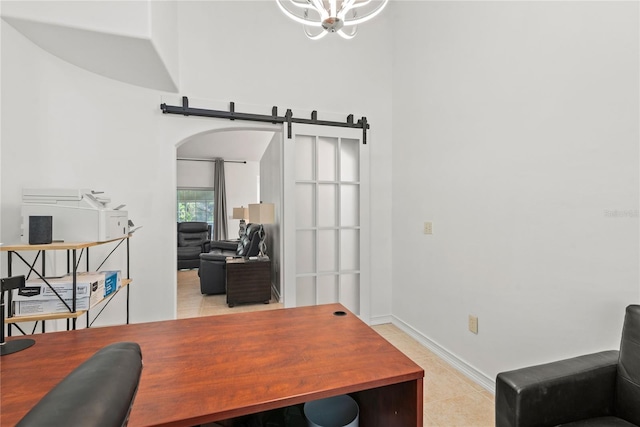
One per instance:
(596,390)
(212,269)
(193,239)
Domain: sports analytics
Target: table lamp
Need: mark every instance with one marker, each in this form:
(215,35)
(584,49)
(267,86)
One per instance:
(242,214)
(8,347)
(262,213)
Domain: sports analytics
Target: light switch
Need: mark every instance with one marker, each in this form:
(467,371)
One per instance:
(473,324)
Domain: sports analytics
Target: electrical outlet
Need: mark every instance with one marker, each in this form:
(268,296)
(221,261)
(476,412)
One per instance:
(428,227)
(473,324)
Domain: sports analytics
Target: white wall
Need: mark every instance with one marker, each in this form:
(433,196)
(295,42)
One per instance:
(129,18)
(164,34)
(73,129)
(516,132)
(194,174)
(242,188)
(70,128)
(132,41)
(271,192)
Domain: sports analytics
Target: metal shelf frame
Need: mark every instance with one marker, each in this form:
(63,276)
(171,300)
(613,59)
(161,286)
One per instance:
(73,261)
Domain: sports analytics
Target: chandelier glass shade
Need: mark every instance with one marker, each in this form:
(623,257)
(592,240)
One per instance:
(320,17)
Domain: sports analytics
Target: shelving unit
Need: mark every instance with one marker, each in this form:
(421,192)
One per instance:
(73,261)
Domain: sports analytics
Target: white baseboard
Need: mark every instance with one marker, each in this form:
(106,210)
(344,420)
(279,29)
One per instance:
(381,320)
(469,371)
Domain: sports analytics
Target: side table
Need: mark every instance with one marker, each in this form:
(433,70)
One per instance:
(248,280)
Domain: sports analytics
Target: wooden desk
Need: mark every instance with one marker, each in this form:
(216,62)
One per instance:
(213,368)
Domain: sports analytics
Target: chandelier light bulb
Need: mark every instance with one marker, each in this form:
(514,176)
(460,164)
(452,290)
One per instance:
(320,17)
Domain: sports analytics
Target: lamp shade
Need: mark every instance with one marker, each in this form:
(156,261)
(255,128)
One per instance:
(241,213)
(262,213)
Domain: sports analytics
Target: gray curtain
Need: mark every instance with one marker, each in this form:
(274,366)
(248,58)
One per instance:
(220,205)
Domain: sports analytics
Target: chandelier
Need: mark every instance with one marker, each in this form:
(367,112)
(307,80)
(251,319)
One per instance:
(320,17)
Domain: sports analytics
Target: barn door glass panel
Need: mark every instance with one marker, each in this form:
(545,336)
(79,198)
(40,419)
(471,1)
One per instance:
(327,289)
(327,216)
(327,191)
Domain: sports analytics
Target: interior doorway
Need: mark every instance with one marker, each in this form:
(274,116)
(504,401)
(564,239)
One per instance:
(243,149)
(320,261)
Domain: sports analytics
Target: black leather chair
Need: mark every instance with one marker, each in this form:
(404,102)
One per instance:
(212,269)
(193,239)
(97,393)
(596,390)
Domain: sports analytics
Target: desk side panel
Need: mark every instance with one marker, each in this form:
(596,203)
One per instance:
(396,405)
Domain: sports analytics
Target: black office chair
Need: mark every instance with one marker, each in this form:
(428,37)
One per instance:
(97,393)
(596,390)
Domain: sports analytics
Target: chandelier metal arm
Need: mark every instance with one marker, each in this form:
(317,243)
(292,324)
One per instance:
(317,4)
(333,10)
(347,36)
(297,18)
(311,36)
(346,6)
(365,18)
(364,3)
(301,4)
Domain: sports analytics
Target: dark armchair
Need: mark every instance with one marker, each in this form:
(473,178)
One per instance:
(596,390)
(212,269)
(193,239)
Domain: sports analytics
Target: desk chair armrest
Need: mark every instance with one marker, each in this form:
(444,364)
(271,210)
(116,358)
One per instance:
(99,392)
(559,392)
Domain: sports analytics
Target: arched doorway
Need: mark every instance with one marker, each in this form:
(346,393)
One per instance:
(326,283)
(246,164)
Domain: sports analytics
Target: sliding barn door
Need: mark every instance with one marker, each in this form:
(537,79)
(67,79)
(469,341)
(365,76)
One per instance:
(326,218)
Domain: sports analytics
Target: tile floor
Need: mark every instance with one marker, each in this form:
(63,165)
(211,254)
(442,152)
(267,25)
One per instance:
(450,398)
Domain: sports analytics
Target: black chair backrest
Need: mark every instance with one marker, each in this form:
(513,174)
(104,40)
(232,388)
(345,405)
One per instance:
(99,392)
(248,244)
(628,381)
(192,233)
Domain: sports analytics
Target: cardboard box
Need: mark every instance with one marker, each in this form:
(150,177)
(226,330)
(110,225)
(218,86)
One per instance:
(33,307)
(38,289)
(89,292)
(112,281)
(98,279)
(108,281)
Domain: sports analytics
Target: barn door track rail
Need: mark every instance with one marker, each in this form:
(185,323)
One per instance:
(288,118)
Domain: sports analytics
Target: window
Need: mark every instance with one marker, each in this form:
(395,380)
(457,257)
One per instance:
(195,204)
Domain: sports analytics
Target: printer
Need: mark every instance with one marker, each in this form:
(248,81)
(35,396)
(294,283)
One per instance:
(79,215)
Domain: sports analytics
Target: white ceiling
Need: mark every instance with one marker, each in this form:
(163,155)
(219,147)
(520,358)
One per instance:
(248,145)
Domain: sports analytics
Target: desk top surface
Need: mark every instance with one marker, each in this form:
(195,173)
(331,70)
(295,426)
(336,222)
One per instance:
(217,367)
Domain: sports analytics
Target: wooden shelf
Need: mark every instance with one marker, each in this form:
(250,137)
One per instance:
(56,246)
(69,315)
